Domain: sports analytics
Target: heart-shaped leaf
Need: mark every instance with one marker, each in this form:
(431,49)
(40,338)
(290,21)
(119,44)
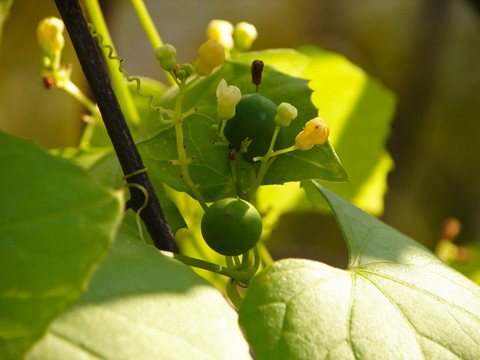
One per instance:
(56,224)
(358,110)
(211,170)
(143,305)
(396,300)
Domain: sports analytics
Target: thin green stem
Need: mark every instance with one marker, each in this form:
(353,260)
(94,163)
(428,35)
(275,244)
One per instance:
(236,261)
(266,161)
(125,98)
(4,13)
(73,90)
(181,150)
(233,274)
(95,116)
(275,153)
(144,205)
(264,254)
(233,293)
(87,134)
(150,29)
(245,260)
(147,23)
(57,58)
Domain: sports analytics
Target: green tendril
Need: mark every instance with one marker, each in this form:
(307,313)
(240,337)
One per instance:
(129,78)
(144,205)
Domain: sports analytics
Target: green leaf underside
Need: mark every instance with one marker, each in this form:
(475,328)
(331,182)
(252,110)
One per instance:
(143,305)
(56,224)
(396,300)
(358,110)
(214,179)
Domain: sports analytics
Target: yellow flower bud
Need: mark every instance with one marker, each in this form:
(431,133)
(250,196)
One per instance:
(221,31)
(314,133)
(228,98)
(285,114)
(244,35)
(49,34)
(210,55)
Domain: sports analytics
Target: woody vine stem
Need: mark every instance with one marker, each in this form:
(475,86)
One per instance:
(116,126)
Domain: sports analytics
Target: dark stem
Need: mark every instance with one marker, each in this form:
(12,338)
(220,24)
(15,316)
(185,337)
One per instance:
(115,123)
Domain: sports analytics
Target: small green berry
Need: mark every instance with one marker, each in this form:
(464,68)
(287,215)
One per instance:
(254,119)
(231,226)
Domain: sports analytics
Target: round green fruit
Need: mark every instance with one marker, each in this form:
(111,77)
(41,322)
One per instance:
(254,119)
(231,226)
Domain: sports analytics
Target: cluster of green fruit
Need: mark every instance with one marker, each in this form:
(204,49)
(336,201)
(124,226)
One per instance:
(255,128)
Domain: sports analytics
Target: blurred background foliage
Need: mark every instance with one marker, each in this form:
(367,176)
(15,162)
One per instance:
(425,51)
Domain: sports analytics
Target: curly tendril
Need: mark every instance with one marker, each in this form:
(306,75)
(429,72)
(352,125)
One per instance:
(99,38)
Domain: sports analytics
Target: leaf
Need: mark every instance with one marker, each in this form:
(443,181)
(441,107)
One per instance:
(143,305)
(210,169)
(358,110)
(320,162)
(56,224)
(396,300)
(104,167)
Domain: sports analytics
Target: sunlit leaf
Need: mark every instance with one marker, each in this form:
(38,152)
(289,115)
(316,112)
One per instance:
(396,300)
(214,179)
(143,305)
(358,110)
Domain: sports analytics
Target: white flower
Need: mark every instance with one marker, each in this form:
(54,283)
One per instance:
(227,99)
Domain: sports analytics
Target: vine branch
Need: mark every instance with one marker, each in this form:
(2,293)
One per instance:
(125,148)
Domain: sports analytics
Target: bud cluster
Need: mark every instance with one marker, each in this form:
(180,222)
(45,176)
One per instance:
(239,38)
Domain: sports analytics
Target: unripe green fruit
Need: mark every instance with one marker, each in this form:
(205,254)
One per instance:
(254,119)
(231,226)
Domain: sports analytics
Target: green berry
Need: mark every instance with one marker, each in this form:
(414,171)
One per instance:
(254,119)
(231,226)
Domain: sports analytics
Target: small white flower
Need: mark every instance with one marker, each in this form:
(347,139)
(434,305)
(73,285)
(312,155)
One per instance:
(227,99)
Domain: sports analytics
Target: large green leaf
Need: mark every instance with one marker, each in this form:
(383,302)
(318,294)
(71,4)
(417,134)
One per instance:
(320,162)
(396,300)
(143,305)
(358,110)
(104,167)
(56,224)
